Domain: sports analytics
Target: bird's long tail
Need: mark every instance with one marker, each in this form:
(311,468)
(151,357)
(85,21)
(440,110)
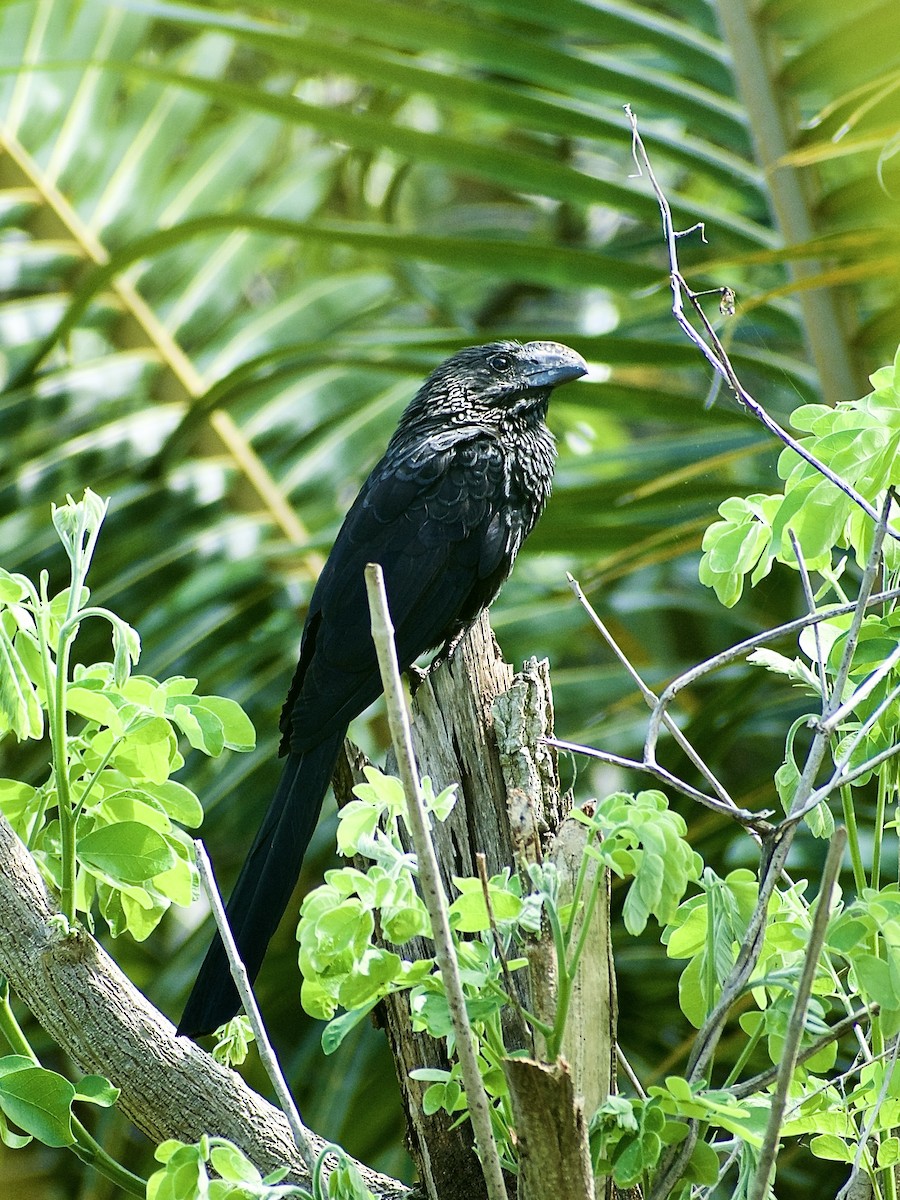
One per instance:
(264,885)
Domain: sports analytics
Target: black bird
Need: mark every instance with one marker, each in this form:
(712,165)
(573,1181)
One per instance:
(461,485)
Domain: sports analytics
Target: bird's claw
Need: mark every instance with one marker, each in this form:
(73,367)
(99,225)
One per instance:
(416,676)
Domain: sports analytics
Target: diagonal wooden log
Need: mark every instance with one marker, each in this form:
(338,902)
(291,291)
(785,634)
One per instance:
(170,1088)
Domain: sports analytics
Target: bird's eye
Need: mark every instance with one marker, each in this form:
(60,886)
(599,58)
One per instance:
(500,363)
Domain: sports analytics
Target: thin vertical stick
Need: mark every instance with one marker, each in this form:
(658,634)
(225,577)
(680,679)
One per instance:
(797,1021)
(430,882)
(245,991)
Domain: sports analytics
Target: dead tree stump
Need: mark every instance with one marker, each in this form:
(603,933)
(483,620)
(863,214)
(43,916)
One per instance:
(477,724)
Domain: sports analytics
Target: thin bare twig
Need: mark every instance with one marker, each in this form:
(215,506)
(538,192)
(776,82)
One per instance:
(753,820)
(766,1078)
(650,696)
(741,648)
(430,882)
(811,605)
(797,1020)
(839,779)
(716,355)
(630,1073)
(245,991)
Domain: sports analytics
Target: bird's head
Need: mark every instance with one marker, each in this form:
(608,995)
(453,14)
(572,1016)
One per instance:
(494,382)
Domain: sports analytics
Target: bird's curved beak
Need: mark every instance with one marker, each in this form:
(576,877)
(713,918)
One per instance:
(551,363)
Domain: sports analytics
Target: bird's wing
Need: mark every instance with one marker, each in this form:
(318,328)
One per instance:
(434,518)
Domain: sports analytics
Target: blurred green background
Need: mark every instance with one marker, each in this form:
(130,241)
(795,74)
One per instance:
(233,240)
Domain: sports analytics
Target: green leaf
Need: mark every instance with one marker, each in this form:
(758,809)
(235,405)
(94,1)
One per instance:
(179,884)
(17,801)
(38,1101)
(20,710)
(237,728)
(827,1145)
(377,972)
(149,752)
(184,1173)
(357,820)
(442,804)
(94,705)
(793,668)
(233,1166)
(126,649)
(130,804)
(176,801)
(442,1096)
(404,915)
(95,1089)
(469,914)
(338,1028)
(127,907)
(346,1183)
(703,1166)
(128,852)
(692,998)
(317,997)
(875,978)
(200,725)
(15,1141)
(384,791)
(11,589)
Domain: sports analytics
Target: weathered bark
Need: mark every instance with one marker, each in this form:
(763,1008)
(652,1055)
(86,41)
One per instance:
(552,1132)
(589,1041)
(476,724)
(170,1087)
(454,742)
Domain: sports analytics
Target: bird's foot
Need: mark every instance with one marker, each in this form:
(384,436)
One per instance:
(446,651)
(416,676)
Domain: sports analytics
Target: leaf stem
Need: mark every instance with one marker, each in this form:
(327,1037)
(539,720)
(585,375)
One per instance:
(878,825)
(859,871)
(590,905)
(563,987)
(89,1150)
(242,983)
(67,820)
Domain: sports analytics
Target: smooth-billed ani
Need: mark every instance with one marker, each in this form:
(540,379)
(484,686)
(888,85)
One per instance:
(461,485)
